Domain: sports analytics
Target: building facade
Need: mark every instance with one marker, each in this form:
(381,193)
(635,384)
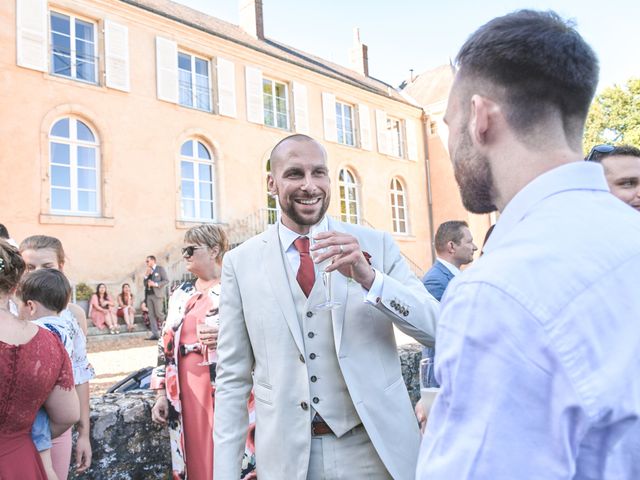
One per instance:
(125,122)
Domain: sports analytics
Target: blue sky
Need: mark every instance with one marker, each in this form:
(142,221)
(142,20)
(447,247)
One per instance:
(422,34)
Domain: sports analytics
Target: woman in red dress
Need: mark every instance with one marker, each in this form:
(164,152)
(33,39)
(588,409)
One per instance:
(35,371)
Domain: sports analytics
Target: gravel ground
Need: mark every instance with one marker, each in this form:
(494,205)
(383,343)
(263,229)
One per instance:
(114,357)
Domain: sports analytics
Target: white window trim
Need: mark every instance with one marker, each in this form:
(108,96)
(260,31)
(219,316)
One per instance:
(74,143)
(194,89)
(196,161)
(346,186)
(274,103)
(340,124)
(72,53)
(395,207)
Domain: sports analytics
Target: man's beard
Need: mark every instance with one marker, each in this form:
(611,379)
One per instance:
(298,219)
(474,177)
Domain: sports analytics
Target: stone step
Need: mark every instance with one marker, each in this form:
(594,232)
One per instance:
(138,324)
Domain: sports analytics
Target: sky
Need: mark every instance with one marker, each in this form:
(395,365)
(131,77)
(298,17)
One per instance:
(423,34)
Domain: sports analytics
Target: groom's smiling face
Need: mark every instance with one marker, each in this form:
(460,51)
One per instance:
(300,177)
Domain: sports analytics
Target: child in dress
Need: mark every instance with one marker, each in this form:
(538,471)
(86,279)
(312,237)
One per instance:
(42,295)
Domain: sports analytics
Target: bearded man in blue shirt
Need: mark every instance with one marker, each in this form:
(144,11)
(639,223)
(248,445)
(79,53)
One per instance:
(538,342)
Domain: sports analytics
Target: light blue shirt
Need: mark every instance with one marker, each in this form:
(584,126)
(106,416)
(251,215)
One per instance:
(539,342)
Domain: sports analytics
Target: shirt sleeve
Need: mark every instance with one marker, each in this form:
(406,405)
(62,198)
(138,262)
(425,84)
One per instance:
(375,292)
(506,406)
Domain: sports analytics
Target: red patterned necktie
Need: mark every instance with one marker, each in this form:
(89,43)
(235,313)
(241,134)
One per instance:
(306,274)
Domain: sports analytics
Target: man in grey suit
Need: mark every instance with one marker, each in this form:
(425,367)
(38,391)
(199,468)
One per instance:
(455,247)
(330,401)
(154,282)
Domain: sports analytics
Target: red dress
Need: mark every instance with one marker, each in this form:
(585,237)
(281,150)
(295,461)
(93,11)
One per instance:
(28,373)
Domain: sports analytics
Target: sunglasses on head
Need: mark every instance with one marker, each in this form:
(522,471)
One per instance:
(188,251)
(603,149)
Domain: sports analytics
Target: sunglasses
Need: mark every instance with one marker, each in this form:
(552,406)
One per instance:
(602,149)
(187,252)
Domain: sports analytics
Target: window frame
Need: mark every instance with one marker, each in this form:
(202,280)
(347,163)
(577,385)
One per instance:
(74,143)
(274,98)
(73,52)
(399,149)
(340,123)
(193,78)
(345,186)
(396,193)
(196,161)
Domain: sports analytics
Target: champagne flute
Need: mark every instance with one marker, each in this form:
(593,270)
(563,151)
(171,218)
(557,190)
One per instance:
(329,303)
(428,388)
(210,357)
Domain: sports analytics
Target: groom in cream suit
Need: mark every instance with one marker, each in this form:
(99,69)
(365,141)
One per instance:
(330,402)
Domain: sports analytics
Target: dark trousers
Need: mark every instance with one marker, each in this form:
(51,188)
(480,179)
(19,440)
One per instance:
(156,312)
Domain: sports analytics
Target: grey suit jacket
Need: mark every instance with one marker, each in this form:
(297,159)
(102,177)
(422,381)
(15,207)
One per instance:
(159,275)
(260,346)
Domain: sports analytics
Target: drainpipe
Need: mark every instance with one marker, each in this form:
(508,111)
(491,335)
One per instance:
(425,126)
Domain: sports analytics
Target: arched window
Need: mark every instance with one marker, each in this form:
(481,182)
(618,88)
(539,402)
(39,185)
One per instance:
(399,207)
(74,168)
(349,197)
(273,208)
(197,182)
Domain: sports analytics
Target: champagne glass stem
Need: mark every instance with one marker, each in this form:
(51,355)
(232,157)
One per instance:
(326,279)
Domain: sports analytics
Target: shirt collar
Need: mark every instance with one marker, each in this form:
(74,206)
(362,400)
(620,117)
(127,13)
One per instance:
(288,236)
(571,176)
(449,266)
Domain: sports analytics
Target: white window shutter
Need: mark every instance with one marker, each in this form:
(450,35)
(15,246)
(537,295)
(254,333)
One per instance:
(329,115)
(300,108)
(255,101)
(167,69)
(31,31)
(365,127)
(116,52)
(411,127)
(226,87)
(382,132)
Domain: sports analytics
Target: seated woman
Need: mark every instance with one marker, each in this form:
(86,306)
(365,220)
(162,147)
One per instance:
(101,310)
(35,371)
(126,309)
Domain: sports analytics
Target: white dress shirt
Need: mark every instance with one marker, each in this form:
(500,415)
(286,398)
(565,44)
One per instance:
(450,266)
(538,343)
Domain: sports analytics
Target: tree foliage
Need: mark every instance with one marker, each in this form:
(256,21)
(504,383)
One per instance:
(614,116)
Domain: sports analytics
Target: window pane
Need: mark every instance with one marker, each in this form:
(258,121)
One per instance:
(203,152)
(282,120)
(87,202)
(87,157)
(186,170)
(84,133)
(60,23)
(87,178)
(86,71)
(188,208)
(61,65)
(60,176)
(281,90)
(269,119)
(352,194)
(202,67)
(60,43)
(204,173)
(401,213)
(347,114)
(206,191)
(59,153)
(206,210)
(187,149)
(267,87)
(188,189)
(401,200)
(186,91)
(84,30)
(184,62)
(60,199)
(281,105)
(61,128)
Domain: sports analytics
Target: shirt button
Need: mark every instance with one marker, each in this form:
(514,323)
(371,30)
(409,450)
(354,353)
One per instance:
(301,357)
(314,378)
(311,334)
(309,314)
(316,399)
(304,405)
(312,356)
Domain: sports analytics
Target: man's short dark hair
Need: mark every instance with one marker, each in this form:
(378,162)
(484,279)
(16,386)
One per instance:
(450,231)
(46,286)
(151,257)
(622,150)
(538,63)
(4,233)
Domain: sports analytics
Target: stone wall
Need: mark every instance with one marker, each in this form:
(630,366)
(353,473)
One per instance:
(128,446)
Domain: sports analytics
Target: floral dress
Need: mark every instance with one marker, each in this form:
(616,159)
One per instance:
(166,376)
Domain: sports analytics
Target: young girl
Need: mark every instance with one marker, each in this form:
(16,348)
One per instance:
(41,251)
(43,294)
(101,311)
(126,309)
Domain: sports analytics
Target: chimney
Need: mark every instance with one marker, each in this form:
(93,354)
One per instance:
(359,54)
(251,20)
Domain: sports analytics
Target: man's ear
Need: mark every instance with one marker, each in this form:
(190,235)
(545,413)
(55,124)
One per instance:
(271,185)
(31,307)
(481,119)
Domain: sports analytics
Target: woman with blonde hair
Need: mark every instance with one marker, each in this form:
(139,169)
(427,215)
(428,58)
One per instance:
(189,337)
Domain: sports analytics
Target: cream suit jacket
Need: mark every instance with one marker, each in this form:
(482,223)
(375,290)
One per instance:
(260,346)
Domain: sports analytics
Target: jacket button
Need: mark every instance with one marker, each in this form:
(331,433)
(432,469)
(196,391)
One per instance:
(393,303)
(309,314)
(312,356)
(301,357)
(314,378)
(311,334)
(316,400)
(406,313)
(304,405)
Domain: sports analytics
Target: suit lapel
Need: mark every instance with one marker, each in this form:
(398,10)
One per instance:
(447,273)
(276,276)
(339,293)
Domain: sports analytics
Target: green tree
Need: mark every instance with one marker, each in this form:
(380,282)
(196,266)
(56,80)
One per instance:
(614,116)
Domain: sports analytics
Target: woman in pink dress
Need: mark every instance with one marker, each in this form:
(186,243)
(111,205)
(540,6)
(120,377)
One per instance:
(35,371)
(102,310)
(126,309)
(185,387)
